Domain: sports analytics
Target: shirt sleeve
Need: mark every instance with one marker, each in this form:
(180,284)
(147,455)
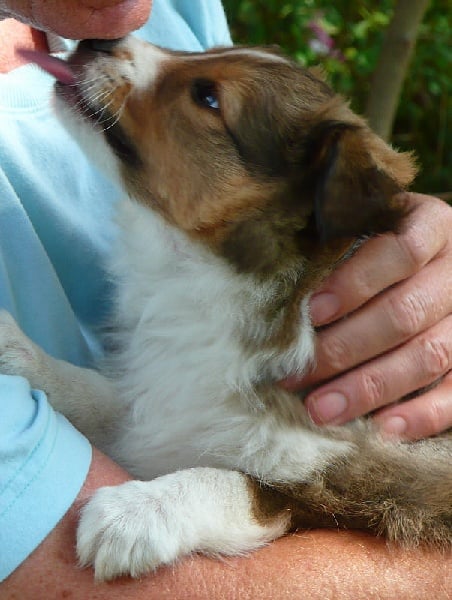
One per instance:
(44,462)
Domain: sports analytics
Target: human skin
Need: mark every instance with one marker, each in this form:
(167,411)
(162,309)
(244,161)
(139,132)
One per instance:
(396,291)
(309,565)
(396,294)
(23,23)
(313,565)
(78,19)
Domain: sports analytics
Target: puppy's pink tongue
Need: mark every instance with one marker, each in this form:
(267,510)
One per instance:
(55,66)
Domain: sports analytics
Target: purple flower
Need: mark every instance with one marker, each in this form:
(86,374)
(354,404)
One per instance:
(322,43)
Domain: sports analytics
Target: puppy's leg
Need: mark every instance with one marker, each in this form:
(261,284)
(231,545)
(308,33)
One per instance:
(400,491)
(84,396)
(135,527)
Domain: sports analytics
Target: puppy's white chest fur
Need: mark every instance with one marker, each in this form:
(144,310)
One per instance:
(245,198)
(193,387)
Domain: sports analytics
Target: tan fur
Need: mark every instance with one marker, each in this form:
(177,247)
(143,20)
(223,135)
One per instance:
(254,219)
(362,493)
(193,189)
(280,183)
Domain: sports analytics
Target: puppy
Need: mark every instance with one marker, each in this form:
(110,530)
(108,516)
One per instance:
(246,180)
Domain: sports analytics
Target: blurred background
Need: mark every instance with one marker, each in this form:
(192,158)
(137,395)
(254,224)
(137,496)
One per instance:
(392,58)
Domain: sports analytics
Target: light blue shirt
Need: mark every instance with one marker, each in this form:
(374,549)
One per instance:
(55,232)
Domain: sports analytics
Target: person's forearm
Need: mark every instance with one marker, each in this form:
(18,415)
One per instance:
(314,565)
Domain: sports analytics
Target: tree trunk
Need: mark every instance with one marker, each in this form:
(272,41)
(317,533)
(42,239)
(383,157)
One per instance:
(392,66)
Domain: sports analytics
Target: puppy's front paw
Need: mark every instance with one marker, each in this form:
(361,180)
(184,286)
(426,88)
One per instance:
(128,530)
(18,354)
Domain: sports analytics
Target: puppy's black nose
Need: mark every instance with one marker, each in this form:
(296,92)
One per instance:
(101,45)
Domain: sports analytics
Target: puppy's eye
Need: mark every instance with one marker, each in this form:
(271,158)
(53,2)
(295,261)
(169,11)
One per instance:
(204,93)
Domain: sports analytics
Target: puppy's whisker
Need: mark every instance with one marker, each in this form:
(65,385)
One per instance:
(117,117)
(98,101)
(100,95)
(93,82)
(236,205)
(103,108)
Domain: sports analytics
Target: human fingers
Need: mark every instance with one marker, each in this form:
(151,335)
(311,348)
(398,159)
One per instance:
(400,314)
(385,260)
(425,415)
(412,268)
(391,376)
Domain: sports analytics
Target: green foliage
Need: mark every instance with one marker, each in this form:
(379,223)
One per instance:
(354,31)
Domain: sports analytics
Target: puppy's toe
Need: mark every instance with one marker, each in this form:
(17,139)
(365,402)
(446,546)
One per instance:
(124,531)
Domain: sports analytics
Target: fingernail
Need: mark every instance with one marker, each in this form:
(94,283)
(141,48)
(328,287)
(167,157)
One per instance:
(394,427)
(324,306)
(327,408)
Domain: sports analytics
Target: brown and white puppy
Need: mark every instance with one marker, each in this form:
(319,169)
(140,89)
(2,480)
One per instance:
(246,180)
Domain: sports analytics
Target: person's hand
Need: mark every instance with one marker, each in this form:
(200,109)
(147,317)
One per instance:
(78,19)
(396,337)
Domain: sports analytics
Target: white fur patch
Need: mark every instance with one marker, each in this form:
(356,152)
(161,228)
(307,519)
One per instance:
(253,53)
(188,380)
(138,526)
(188,384)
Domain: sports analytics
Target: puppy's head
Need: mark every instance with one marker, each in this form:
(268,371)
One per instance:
(240,148)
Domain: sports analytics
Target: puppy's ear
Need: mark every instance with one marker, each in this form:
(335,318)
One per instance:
(355,176)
